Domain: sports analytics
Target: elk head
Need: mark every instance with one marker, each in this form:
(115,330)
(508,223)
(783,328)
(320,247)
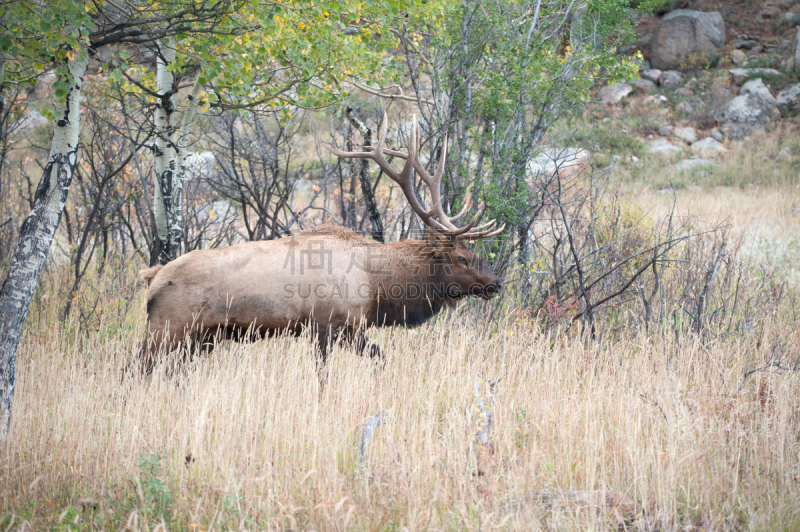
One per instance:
(461,271)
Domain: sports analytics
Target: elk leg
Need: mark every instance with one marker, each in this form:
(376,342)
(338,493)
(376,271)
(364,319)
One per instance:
(364,347)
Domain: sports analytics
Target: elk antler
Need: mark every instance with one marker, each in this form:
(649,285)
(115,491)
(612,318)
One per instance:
(434,217)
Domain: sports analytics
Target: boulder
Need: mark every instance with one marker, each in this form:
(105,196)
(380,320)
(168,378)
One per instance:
(717,135)
(768,12)
(30,122)
(686,134)
(650,74)
(688,165)
(796,56)
(665,131)
(662,147)
(743,42)
(687,38)
(738,57)
(644,65)
(670,78)
(708,147)
(740,75)
(743,115)
(791,19)
(642,86)
(789,100)
(550,160)
(757,87)
(614,93)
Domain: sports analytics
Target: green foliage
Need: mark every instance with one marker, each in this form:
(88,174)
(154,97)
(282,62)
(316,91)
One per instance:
(149,495)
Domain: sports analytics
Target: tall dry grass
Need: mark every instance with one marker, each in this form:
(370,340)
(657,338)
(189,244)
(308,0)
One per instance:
(246,439)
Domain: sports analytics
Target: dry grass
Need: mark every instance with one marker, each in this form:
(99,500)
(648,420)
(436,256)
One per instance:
(246,440)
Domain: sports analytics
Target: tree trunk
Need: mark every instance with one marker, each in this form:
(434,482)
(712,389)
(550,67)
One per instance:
(164,155)
(366,186)
(37,234)
(176,222)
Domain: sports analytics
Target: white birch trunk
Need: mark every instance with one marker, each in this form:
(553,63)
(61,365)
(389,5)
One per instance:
(164,152)
(37,234)
(176,222)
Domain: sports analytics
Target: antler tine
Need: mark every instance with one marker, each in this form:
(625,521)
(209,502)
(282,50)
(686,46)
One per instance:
(483,234)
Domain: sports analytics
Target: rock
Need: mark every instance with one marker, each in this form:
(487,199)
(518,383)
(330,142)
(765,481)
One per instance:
(635,159)
(757,87)
(651,74)
(686,134)
(665,131)
(742,115)
(644,65)
(199,165)
(686,107)
(708,147)
(738,57)
(548,161)
(662,147)
(791,19)
(717,135)
(785,154)
(672,5)
(687,38)
(755,51)
(740,75)
(690,164)
(30,121)
(797,51)
(614,93)
(670,78)
(789,100)
(768,13)
(743,42)
(642,86)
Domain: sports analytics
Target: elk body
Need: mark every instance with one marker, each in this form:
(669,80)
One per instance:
(328,279)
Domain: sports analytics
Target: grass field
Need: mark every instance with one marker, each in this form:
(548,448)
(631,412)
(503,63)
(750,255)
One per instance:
(246,439)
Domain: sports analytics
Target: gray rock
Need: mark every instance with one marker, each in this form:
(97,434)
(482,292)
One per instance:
(743,115)
(614,93)
(548,161)
(665,131)
(757,87)
(670,78)
(30,122)
(796,56)
(708,147)
(768,12)
(687,38)
(644,65)
(662,147)
(651,74)
(785,154)
(789,100)
(642,86)
(791,19)
(738,57)
(742,42)
(717,135)
(686,107)
(688,165)
(740,75)
(686,134)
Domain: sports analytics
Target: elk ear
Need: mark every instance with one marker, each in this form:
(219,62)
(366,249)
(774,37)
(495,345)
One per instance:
(437,242)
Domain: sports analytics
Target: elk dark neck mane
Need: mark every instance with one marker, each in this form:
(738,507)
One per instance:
(408,279)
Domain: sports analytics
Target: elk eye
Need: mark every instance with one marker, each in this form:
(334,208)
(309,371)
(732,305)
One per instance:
(462,260)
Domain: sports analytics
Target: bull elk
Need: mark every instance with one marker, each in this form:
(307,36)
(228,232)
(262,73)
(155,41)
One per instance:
(328,278)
